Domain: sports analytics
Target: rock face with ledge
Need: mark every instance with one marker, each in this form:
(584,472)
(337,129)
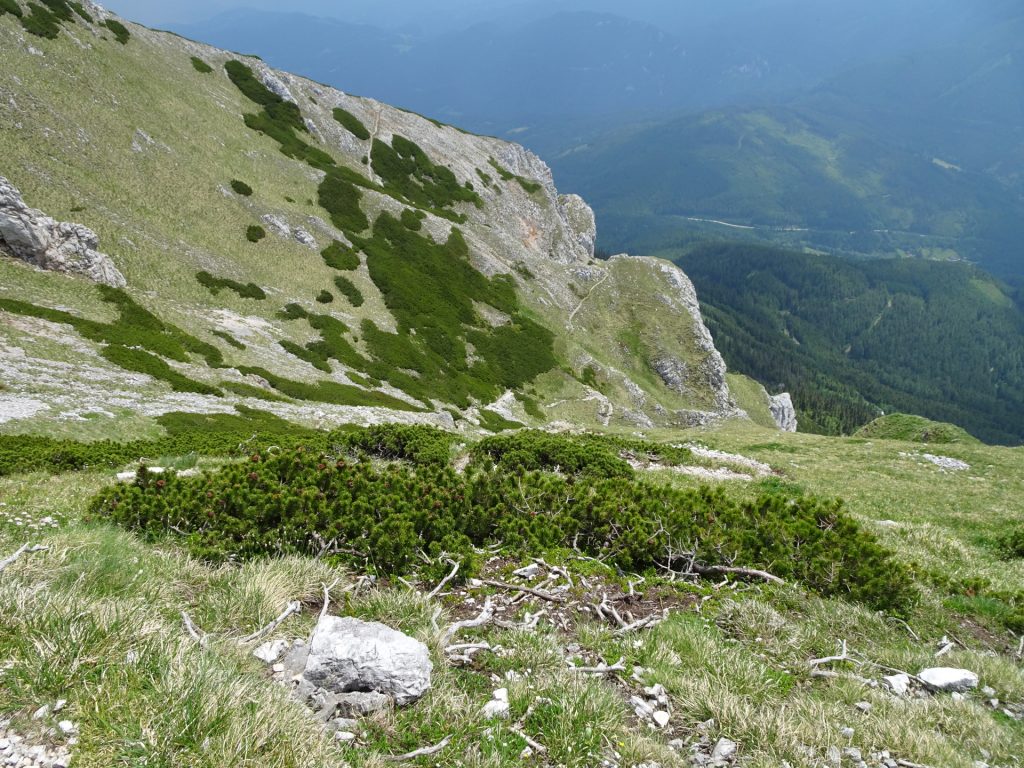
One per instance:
(783,411)
(34,237)
(348,655)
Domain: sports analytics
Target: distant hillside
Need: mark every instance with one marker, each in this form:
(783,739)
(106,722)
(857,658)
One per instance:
(849,339)
(787,177)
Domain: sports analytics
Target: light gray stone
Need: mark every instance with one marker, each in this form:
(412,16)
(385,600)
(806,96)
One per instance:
(361,703)
(948,679)
(898,684)
(347,654)
(783,411)
(32,236)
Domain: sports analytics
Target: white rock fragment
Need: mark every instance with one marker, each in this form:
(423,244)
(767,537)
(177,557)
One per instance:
(948,679)
(661,718)
(270,652)
(898,684)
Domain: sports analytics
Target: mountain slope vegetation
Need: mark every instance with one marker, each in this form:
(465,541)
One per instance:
(292,247)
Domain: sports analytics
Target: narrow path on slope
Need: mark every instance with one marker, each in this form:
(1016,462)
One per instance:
(572,315)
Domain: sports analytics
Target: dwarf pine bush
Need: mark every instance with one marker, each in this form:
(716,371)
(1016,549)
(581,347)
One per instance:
(294,501)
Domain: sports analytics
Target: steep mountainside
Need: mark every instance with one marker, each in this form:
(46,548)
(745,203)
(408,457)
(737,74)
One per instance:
(293,248)
(848,338)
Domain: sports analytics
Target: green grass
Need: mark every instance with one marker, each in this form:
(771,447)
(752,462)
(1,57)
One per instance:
(914,429)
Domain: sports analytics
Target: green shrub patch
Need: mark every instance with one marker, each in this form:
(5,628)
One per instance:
(409,174)
(135,327)
(294,501)
(340,198)
(338,256)
(324,297)
(121,33)
(352,123)
(216,284)
(11,7)
(241,188)
(236,434)
(349,291)
(528,186)
(201,66)
(254,233)
(329,392)
(229,339)
(140,361)
(418,443)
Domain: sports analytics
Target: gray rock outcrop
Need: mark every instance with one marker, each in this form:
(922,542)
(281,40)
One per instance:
(783,411)
(348,655)
(34,237)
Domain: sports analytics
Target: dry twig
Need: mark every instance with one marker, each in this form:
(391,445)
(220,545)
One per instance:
(527,590)
(434,592)
(421,752)
(23,549)
(485,615)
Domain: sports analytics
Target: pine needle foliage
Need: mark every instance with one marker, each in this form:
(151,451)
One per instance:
(293,501)
(216,284)
(352,123)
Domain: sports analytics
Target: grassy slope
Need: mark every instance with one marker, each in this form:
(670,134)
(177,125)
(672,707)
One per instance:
(99,595)
(166,212)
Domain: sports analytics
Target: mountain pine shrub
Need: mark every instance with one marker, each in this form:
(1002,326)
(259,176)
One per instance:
(121,33)
(338,256)
(352,123)
(11,7)
(254,233)
(293,501)
(349,291)
(324,297)
(1011,543)
(241,188)
(216,284)
(201,66)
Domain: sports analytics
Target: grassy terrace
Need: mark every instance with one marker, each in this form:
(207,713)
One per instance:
(100,595)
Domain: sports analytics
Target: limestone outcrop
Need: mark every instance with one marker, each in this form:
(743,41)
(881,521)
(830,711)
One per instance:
(34,237)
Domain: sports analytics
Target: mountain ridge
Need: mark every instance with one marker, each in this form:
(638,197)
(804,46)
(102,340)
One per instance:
(398,196)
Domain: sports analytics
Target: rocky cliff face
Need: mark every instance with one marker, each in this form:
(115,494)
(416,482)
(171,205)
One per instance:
(31,236)
(783,411)
(155,179)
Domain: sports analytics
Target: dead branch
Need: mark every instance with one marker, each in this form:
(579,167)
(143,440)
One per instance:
(723,570)
(293,607)
(843,656)
(602,669)
(651,621)
(23,549)
(1020,649)
(467,647)
(527,590)
(327,599)
(434,592)
(535,745)
(909,629)
(197,634)
(482,618)
(421,752)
